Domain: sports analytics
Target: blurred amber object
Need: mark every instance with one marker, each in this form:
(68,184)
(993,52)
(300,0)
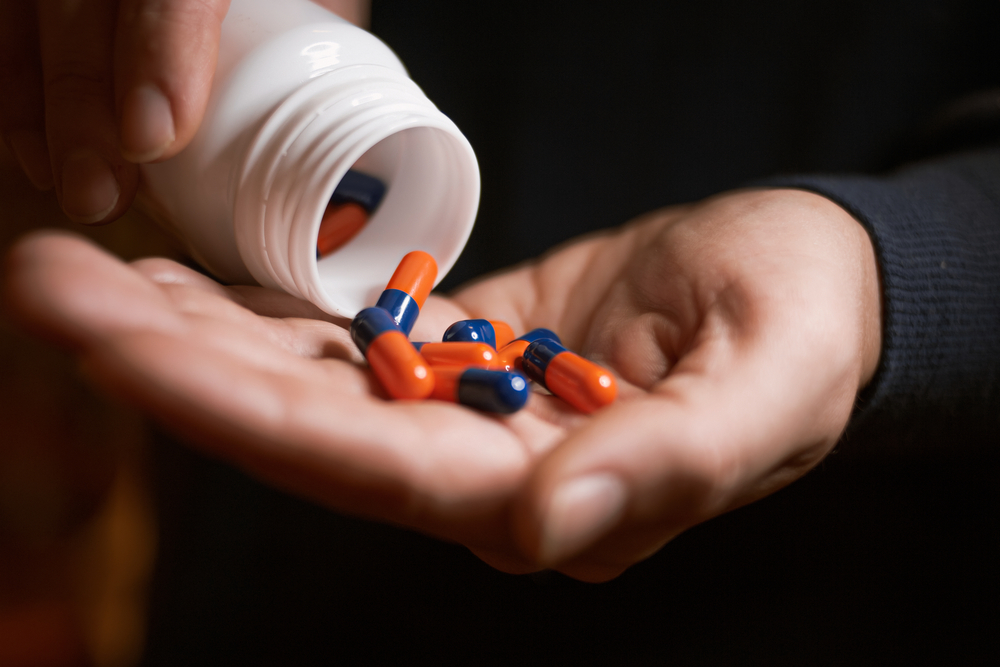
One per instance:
(41,633)
(77,529)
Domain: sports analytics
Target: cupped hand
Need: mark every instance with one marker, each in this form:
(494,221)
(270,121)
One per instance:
(741,330)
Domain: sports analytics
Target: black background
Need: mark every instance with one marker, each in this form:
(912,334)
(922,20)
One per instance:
(583,117)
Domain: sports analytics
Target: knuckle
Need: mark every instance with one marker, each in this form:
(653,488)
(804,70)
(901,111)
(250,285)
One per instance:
(713,473)
(72,80)
(173,32)
(716,472)
(194,15)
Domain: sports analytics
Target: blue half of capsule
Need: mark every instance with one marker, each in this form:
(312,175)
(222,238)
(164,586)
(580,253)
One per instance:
(471,331)
(502,392)
(400,369)
(538,334)
(359,188)
(401,307)
(537,355)
(369,324)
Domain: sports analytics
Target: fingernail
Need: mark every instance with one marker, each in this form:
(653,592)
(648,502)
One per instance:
(579,511)
(147,124)
(89,188)
(32,152)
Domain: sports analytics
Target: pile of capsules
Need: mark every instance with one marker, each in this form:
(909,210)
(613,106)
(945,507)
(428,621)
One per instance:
(479,363)
(355,199)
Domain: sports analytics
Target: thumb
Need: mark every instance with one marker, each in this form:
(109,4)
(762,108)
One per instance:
(724,428)
(165,59)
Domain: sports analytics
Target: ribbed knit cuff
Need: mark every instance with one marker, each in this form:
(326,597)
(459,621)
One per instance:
(936,230)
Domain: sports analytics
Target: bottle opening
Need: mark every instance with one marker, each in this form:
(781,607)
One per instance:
(330,131)
(429,202)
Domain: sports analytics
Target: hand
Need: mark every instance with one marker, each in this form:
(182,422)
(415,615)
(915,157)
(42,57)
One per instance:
(741,329)
(91,88)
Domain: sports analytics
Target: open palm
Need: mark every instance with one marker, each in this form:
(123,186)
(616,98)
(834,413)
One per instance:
(741,330)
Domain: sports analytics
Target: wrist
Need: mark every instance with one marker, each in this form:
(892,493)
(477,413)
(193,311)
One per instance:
(860,271)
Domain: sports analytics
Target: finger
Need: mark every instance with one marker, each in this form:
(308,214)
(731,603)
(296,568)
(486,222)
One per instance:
(93,181)
(727,426)
(357,12)
(274,303)
(311,427)
(323,435)
(67,289)
(64,287)
(165,271)
(22,111)
(259,300)
(505,562)
(165,59)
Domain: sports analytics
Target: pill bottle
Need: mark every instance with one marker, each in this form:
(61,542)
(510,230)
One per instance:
(300,96)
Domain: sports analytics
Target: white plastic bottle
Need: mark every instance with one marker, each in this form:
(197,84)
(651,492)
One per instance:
(299,97)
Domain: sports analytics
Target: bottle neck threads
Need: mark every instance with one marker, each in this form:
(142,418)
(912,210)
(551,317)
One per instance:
(375,120)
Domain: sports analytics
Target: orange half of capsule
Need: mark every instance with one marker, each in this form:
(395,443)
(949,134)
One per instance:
(446,381)
(341,223)
(415,275)
(479,355)
(580,382)
(503,331)
(399,367)
(509,356)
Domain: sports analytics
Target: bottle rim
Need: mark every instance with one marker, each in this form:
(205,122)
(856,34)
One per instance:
(303,149)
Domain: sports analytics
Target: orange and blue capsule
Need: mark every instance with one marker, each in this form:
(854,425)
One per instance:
(340,223)
(408,288)
(352,202)
(509,356)
(359,188)
(578,381)
(479,355)
(395,362)
(490,391)
(471,331)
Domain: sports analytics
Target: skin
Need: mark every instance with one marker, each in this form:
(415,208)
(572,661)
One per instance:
(89,89)
(740,329)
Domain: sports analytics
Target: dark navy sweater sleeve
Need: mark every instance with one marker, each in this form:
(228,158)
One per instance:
(936,231)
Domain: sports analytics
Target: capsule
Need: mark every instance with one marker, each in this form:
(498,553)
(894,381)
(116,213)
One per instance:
(341,223)
(490,391)
(395,362)
(509,356)
(581,383)
(539,333)
(408,288)
(479,355)
(471,331)
(359,188)
(503,331)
